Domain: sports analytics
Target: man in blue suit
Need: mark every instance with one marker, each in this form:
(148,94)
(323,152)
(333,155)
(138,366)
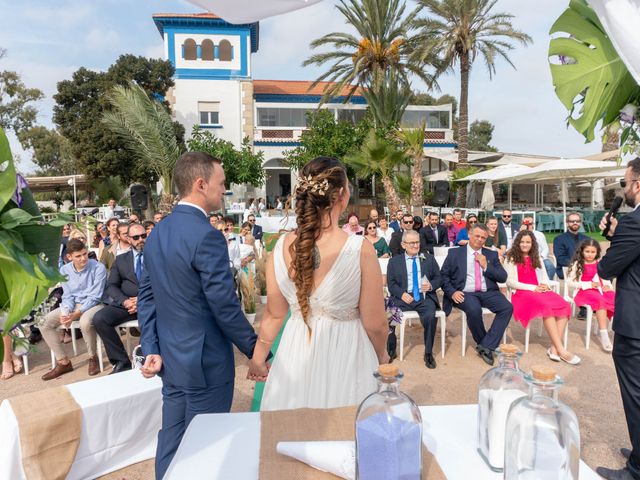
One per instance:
(256,230)
(405,275)
(565,244)
(470,277)
(187,306)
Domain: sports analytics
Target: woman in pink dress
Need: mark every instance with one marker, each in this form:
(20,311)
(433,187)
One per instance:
(533,298)
(590,289)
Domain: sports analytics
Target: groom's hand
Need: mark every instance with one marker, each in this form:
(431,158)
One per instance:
(257,371)
(152,365)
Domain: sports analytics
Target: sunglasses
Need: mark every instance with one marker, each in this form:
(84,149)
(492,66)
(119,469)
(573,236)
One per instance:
(574,221)
(624,183)
(407,223)
(138,237)
(472,221)
(371,228)
(506,216)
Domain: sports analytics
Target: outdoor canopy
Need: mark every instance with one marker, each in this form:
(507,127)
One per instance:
(249,11)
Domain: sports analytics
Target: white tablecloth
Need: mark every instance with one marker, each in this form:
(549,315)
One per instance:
(275,224)
(222,446)
(121,416)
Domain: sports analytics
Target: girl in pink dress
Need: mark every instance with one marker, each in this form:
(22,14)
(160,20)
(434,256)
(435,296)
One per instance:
(590,289)
(533,298)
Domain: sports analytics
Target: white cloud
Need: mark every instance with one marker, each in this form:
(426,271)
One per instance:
(63,14)
(101,38)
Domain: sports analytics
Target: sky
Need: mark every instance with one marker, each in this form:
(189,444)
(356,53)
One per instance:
(47,41)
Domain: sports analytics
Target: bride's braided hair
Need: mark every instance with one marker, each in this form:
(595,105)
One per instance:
(317,191)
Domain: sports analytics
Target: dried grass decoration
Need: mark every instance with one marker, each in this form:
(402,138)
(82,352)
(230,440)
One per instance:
(261,272)
(248,291)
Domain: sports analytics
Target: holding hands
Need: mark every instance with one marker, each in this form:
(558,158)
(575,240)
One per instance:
(258,371)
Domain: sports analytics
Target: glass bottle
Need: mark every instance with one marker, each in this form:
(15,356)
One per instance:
(543,435)
(498,389)
(388,432)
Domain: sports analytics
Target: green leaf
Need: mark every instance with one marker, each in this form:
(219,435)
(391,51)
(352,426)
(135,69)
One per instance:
(598,77)
(42,239)
(14,217)
(7,171)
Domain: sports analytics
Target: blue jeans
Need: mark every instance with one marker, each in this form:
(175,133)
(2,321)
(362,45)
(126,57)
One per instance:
(550,268)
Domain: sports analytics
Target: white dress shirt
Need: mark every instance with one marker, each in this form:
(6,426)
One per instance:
(189,204)
(233,246)
(386,235)
(543,246)
(470,282)
(409,262)
(507,229)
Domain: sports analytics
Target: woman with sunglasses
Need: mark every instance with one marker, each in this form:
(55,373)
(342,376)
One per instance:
(379,243)
(463,235)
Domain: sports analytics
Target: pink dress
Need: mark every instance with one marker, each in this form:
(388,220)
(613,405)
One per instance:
(592,296)
(529,305)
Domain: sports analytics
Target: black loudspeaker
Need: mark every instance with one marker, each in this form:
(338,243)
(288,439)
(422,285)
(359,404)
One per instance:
(440,193)
(138,194)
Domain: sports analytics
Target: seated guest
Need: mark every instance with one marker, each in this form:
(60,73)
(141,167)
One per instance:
(121,298)
(508,228)
(373,215)
(256,230)
(396,239)
(533,298)
(470,278)
(112,235)
(148,226)
(100,234)
(417,223)
(133,218)
(412,283)
(452,230)
(433,234)
(81,296)
(352,227)
(213,219)
(120,246)
(543,246)
(497,239)
(66,230)
(396,224)
(463,235)
(157,217)
(565,244)
(384,230)
(248,254)
(458,221)
(233,245)
(245,229)
(379,243)
(589,289)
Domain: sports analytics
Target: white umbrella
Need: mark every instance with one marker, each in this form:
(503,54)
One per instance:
(249,11)
(488,198)
(472,195)
(501,174)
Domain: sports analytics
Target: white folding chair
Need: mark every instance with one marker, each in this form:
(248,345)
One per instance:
(589,318)
(409,316)
(75,325)
(463,317)
(128,326)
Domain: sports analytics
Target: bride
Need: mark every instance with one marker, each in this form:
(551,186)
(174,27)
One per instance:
(337,333)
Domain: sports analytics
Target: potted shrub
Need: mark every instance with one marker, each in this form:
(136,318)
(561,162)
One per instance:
(248,292)
(261,276)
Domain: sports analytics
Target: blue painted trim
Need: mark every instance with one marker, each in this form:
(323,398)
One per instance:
(284,98)
(440,145)
(210,126)
(264,143)
(208,25)
(210,73)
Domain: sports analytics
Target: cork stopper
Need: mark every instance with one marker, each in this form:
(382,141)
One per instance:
(509,349)
(388,370)
(543,373)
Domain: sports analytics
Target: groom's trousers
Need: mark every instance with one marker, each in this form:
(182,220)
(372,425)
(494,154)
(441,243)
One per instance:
(426,309)
(179,406)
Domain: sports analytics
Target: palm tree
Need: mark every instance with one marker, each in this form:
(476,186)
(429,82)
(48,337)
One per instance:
(388,101)
(379,157)
(147,130)
(413,141)
(458,31)
(379,45)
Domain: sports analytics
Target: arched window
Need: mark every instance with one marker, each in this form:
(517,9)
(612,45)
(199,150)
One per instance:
(189,49)
(207,50)
(225,51)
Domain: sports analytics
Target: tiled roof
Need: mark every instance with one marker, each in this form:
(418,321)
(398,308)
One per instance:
(292,87)
(185,15)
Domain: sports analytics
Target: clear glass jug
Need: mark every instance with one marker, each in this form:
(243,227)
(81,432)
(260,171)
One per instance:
(543,435)
(498,389)
(388,432)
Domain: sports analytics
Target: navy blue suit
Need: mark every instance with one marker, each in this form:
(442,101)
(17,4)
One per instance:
(257,232)
(397,282)
(190,315)
(454,274)
(564,246)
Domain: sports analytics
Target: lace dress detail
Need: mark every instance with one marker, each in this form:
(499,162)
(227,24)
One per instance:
(333,367)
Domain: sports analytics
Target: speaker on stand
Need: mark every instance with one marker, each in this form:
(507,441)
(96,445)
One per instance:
(440,195)
(139,200)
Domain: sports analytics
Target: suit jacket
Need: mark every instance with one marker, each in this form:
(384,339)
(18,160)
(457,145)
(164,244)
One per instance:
(454,273)
(622,261)
(395,225)
(514,227)
(187,306)
(122,282)
(257,232)
(395,243)
(564,246)
(397,277)
(428,240)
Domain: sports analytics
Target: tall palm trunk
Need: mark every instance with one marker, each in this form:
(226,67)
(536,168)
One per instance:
(166,203)
(417,186)
(393,200)
(463,124)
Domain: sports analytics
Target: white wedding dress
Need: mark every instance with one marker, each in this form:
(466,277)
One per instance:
(334,366)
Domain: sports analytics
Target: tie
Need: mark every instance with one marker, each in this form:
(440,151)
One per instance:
(478,273)
(139,267)
(435,234)
(416,286)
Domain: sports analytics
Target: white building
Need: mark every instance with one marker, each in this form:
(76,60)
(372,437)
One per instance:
(214,89)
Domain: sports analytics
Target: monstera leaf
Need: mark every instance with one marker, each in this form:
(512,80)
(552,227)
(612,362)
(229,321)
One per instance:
(596,76)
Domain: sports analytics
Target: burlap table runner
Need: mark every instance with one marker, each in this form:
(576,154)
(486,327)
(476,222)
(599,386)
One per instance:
(308,424)
(50,421)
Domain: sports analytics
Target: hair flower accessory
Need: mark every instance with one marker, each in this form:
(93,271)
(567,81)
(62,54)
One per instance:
(308,184)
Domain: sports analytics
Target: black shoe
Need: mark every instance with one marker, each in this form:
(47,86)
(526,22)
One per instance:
(429,361)
(120,367)
(485,354)
(582,314)
(625,452)
(609,474)
(35,337)
(392,356)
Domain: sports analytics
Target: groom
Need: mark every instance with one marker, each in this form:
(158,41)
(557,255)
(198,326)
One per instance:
(187,307)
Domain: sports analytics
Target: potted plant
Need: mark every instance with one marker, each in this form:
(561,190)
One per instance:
(261,276)
(248,293)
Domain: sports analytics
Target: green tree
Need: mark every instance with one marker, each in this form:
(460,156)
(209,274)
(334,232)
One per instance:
(81,102)
(146,130)
(458,32)
(50,150)
(379,46)
(241,166)
(412,141)
(388,101)
(480,135)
